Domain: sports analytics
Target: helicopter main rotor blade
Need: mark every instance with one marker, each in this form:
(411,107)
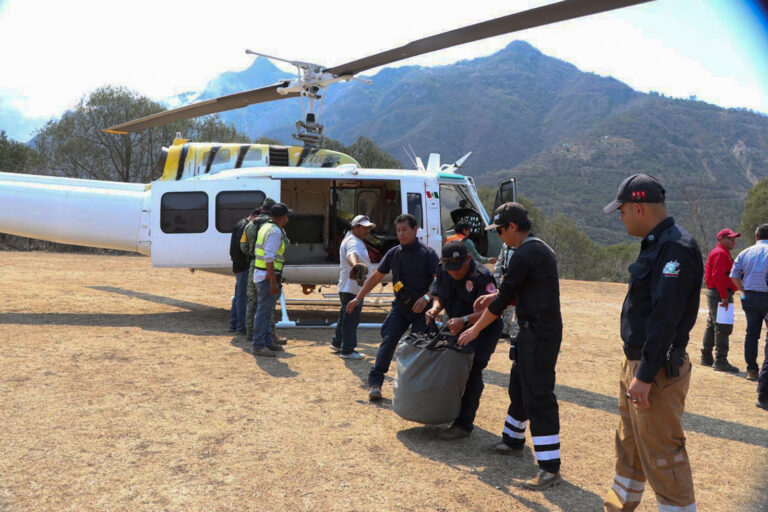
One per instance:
(560,11)
(221,104)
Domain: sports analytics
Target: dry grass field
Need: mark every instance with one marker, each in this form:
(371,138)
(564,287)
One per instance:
(120,389)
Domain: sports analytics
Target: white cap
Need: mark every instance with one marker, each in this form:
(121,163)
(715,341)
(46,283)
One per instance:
(363,220)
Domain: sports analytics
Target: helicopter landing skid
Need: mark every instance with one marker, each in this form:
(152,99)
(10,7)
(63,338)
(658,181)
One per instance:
(286,323)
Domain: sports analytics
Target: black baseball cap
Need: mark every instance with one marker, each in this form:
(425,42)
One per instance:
(454,254)
(278,210)
(506,213)
(638,188)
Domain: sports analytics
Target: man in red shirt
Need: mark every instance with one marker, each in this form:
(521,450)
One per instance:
(720,290)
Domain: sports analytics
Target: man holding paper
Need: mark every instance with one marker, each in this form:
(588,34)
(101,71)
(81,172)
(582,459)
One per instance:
(720,290)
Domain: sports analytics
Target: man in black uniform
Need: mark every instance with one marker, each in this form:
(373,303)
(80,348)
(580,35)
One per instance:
(413,267)
(459,282)
(532,283)
(658,313)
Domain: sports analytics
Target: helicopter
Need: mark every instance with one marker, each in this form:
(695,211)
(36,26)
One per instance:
(186,216)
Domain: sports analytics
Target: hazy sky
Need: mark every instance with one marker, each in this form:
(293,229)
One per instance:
(54,52)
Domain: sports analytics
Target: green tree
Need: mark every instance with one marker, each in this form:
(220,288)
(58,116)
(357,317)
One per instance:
(15,156)
(77,146)
(366,152)
(755,209)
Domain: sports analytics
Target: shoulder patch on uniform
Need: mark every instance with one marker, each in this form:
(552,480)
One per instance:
(490,288)
(470,285)
(671,269)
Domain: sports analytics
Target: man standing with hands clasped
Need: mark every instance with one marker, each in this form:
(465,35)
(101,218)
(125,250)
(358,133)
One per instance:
(413,267)
(658,313)
(532,281)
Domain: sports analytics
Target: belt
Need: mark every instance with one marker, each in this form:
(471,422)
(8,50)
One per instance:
(633,353)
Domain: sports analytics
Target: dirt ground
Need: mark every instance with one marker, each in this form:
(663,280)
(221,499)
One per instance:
(122,390)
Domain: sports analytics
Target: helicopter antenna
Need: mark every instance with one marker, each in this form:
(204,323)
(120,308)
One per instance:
(410,157)
(309,84)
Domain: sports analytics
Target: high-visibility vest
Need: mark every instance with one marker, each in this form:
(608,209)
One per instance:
(258,249)
(457,236)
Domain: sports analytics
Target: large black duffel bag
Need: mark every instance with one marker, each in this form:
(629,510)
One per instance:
(432,372)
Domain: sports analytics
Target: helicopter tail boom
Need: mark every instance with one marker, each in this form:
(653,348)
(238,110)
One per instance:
(79,212)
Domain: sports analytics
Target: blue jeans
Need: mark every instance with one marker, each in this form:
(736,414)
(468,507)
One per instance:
(346,328)
(755,305)
(239,302)
(397,322)
(262,320)
(484,346)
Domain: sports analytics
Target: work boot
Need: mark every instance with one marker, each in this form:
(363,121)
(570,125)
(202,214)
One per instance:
(542,480)
(279,340)
(763,404)
(502,448)
(275,348)
(374,394)
(706,358)
(453,433)
(751,374)
(722,365)
(263,352)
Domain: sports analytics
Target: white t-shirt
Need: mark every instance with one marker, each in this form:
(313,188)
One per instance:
(351,245)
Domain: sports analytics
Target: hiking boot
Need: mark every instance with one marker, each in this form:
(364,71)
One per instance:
(502,448)
(275,348)
(706,359)
(353,355)
(722,365)
(542,480)
(279,340)
(763,404)
(374,394)
(453,433)
(263,352)
(751,374)
(334,348)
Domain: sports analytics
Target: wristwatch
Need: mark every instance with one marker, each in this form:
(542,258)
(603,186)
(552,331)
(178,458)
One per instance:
(426,297)
(466,319)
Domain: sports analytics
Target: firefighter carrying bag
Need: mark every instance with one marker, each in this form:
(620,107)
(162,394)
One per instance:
(432,372)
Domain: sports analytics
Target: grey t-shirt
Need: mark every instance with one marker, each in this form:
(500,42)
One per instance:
(351,245)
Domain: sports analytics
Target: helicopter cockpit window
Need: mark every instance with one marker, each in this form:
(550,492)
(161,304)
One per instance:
(184,212)
(416,208)
(368,204)
(452,198)
(235,205)
(224,160)
(253,158)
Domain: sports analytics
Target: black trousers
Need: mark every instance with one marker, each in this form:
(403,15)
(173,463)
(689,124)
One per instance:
(484,345)
(532,398)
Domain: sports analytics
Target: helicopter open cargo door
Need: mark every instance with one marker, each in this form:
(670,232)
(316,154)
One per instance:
(506,193)
(192,220)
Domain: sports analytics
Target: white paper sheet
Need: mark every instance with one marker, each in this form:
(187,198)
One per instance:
(725,316)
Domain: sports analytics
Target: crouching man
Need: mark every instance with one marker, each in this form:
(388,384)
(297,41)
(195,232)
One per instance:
(460,281)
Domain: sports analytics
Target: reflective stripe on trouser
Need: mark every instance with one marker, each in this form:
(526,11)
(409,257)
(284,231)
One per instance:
(650,445)
(511,326)
(532,398)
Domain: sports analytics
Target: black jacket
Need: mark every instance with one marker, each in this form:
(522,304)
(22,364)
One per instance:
(662,302)
(239,260)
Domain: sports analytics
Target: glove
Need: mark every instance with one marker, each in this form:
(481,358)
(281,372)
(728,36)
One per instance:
(358,273)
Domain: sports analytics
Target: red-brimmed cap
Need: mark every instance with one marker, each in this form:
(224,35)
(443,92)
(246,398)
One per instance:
(727,233)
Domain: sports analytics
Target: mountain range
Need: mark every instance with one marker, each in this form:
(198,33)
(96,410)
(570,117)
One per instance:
(569,136)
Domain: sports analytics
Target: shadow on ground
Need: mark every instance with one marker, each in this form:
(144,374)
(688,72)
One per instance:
(497,471)
(714,427)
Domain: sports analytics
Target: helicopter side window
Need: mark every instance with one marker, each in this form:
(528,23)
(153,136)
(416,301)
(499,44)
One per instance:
(416,208)
(235,205)
(184,212)
(253,158)
(223,160)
